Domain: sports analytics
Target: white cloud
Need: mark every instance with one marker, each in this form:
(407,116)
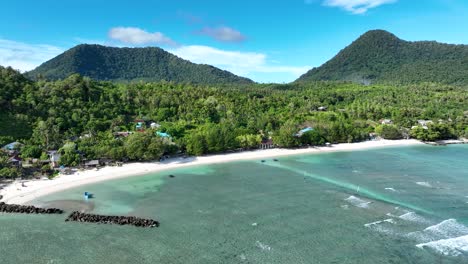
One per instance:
(356,6)
(224,34)
(137,36)
(237,62)
(25,57)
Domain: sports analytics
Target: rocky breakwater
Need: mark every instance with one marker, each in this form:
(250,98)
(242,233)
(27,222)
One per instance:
(108,219)
(27,209)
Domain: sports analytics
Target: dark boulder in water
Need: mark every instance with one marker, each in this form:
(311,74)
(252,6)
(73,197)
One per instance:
(27,209)
(111,219)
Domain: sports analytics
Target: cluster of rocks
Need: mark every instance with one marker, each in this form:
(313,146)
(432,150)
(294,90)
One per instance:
(107,219)
(79,216)
(27,209)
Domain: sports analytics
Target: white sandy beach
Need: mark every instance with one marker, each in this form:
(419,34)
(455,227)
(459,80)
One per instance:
(15,193)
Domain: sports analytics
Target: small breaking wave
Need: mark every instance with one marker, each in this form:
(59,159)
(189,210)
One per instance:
(344,206)
(382,226)
(425,184)
(390,189)
(357,202)
(390,220)
(262,246)
(413,217)
(449,247)
(446,229)
(447,237)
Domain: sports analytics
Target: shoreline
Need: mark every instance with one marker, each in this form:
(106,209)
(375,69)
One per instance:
(15,193)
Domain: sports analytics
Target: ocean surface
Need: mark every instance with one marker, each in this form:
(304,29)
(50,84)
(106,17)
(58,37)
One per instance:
(388,205)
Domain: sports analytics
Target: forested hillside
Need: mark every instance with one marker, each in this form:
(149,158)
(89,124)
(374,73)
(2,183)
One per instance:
(131,64)
(379,56)
(13,118)
(81,117)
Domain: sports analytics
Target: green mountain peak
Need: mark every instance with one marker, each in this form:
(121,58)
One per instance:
(131,64)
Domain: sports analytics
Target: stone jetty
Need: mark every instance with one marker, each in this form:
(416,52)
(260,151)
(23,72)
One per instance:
(108,219)
(27,209)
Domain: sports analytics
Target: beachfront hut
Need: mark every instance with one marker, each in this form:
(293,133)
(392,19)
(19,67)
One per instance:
(140,125)
(65,170)
(54,157)
(92,163)
(12,146)
(267,144)
(106,161)
(15,161)
(373,136)
(425,123)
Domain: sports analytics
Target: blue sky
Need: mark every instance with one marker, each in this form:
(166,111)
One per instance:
(267,41)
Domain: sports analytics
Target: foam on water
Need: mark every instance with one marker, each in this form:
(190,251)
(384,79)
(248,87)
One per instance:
(382,226)
(262,246)
(357,202)
(413,217)
(446,229)
(425,184)
(449,247)
(390,189)
(390,220)
(243,257)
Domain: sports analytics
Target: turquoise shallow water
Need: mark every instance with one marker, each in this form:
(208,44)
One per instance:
(372,206)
